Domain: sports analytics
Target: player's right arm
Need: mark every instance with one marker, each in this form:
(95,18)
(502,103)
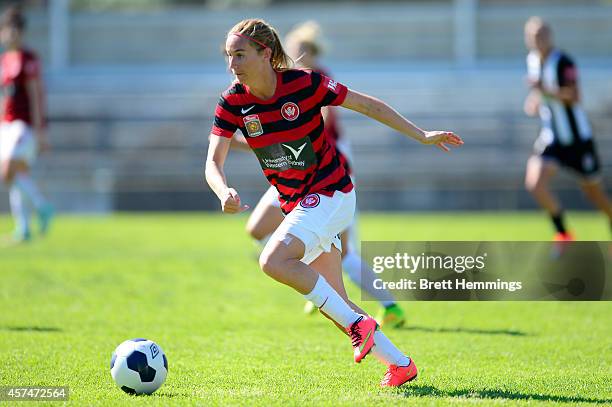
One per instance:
(532,103)
(218,148)
(382,112)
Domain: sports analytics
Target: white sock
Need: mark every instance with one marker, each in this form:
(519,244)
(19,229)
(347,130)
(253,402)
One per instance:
(28,187)
(18,209)
(329,301)
(386,352)
(364,278)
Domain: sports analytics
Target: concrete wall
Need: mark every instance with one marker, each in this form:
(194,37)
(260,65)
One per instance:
(376,31)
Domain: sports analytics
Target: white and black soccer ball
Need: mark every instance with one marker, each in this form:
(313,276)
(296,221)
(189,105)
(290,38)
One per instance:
(139,366)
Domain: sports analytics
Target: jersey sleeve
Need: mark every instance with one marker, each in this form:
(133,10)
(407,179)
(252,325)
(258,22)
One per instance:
(225,123)
(332,93)
(567,72)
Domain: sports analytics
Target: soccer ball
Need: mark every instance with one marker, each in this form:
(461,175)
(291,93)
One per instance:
(139,366)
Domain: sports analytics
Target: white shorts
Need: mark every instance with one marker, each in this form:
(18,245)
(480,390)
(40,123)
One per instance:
(317,221)
(17,142)
(270,197)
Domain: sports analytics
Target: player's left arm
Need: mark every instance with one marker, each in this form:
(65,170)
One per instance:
(36,99)
(382,112)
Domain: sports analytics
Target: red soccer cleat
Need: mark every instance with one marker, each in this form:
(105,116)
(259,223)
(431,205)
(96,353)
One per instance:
(362,335)
(398,375)
(561,242)
(564,237)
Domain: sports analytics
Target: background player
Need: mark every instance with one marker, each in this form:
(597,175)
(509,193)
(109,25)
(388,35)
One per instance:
(23,111)
(566,138)
(304,45)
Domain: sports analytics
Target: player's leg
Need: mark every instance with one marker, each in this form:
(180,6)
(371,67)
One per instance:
(355,275)
(594,191)
(281,260)
(327,266)
(21,153)
(588,166)
(19,209)
(400,367)
(303,235)
(384,350)
(266,217)
(538,175)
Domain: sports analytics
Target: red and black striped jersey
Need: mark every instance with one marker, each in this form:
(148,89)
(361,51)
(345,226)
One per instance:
(18,66)
(286,133)
(332,128)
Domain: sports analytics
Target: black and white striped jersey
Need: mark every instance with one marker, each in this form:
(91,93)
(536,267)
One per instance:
(562,124)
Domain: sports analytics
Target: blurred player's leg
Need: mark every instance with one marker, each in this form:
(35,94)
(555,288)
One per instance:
(265,218)
(19,209)
(363,276)
(25,182)
(18,153)
(537,179)
(20,215)
(596,194)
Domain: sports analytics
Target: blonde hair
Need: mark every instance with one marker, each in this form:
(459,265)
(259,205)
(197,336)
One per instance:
(308,33)
(263,34)
(535,24)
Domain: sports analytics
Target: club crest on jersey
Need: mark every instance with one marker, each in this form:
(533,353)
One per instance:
(331,85)
(253,125)
(290,111)
(310,201)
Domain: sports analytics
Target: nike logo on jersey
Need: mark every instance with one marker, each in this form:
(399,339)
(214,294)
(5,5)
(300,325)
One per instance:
(244,111)
(296,153)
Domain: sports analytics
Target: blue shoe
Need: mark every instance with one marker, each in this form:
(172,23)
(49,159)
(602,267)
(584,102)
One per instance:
(45,215)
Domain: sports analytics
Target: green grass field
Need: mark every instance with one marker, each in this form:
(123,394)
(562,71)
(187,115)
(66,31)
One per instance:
(234,336)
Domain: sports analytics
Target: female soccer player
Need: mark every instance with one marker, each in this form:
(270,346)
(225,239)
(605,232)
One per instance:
(565,139)
(23,112)
(278,110)
(304,46)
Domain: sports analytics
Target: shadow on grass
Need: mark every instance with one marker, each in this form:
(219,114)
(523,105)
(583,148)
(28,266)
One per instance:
(466,330)
(160,394)
(30,329)
(424,391)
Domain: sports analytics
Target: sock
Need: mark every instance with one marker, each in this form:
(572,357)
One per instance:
(557,220)
(330,302)
(364,278)
(18,209)
(28,187)
(385,351)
